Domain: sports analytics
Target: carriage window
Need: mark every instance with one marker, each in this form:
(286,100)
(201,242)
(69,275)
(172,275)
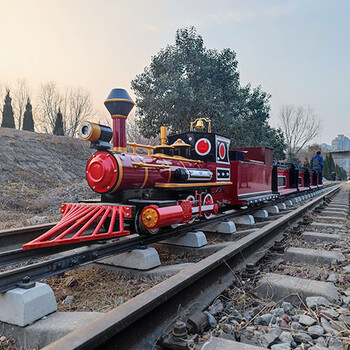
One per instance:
(282,181)
(299,181)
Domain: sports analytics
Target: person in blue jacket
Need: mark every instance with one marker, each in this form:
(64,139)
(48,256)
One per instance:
(317,165)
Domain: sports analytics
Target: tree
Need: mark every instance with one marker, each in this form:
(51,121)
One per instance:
(300,125)
(50,101)
(28,121)
(58,128)
(75,105)
(341,173)
(7,113)
(80,108)
(2,95)
(21,95)
(187,80)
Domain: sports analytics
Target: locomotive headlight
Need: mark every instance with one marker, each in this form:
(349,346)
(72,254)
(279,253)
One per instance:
(89,131)
(99,135)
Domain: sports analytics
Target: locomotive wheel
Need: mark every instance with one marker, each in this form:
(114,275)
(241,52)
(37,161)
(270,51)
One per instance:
(140,229)
(208,199)
(192,200)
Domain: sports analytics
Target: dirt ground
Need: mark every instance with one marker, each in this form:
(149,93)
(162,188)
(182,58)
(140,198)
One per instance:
(95,289)
(37,173)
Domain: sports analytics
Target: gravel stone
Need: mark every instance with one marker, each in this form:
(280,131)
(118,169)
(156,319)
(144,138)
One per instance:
(327,326)
(266,320)
(69,300)
(281,346)
(335,344)
(302,338)
(296,326)
(236,315)
(331,312)
(315,331)
(227,307)
(211,319)
(307,320)
(345,319)
(318,347)
(345,299)
(247,316)
(346,269)
(268,339)
(277,312)
(2,338)
(216,308)
(286,306)
(295,318)
(347,292)
(320,341)
(333,278)
(313,302)
(276,331)
(286,337)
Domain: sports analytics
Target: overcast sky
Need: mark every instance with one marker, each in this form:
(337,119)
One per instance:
(297,50)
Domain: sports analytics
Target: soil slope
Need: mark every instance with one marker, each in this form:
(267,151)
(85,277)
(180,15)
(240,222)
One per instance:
(37,173)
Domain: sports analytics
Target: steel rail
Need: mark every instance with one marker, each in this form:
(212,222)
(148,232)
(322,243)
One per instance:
(62,259)
(148,314)
(15,237)
(11,239)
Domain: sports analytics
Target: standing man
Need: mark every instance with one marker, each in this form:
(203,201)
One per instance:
(317,165)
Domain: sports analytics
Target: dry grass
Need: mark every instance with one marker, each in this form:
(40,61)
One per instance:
(96,289)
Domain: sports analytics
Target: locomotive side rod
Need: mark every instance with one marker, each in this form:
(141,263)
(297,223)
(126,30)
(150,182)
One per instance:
(74,258)
(148,314)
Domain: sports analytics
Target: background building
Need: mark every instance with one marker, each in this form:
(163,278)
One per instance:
(341,142)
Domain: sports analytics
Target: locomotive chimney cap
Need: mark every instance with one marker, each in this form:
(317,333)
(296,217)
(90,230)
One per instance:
(119,103)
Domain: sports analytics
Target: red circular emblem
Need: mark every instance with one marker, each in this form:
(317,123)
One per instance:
(203,147)
(222,150)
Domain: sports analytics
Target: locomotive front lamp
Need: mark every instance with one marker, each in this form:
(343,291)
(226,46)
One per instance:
(99,135)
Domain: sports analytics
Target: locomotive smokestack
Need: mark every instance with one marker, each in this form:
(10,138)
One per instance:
(119,105)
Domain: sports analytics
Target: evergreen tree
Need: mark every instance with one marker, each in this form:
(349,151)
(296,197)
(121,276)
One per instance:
(328,166)
(8,120)
(186,80)
(292,158)
(58,129)
(307,163)
(341,173)
(28,122)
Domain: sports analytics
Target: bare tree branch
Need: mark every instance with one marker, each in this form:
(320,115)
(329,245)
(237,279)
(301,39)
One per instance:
(20,97)
(80,108)
(75,105)
(50,101)
(300,125)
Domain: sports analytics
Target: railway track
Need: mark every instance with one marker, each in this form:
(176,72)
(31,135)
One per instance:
(156,310)
(17,264)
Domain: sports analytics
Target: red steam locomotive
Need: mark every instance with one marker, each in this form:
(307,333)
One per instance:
(194,175)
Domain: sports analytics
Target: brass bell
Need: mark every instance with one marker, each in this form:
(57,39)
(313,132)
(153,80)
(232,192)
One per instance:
(200,124)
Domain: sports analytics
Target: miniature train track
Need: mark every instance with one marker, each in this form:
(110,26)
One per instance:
(45,262)
(151,312)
